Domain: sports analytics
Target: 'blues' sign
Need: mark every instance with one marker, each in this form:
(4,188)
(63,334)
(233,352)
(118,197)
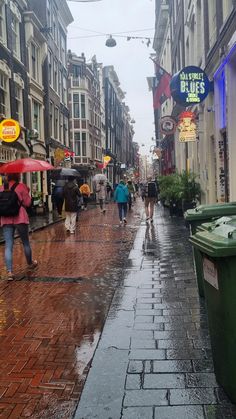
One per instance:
(189,86)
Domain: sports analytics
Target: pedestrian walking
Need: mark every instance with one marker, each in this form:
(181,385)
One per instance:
(14,199)
(101,191)
(132,191)
(85,192)
(121,196)
(150,197)
(58,195)
(71,195)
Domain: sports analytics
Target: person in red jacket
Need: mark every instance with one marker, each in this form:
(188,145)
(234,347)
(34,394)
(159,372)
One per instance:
(19,222)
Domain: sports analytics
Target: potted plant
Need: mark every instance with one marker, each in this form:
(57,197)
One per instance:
(170,193)
(190,190)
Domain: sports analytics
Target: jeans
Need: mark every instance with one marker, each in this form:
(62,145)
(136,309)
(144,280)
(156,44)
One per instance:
(122,208)
(8,232)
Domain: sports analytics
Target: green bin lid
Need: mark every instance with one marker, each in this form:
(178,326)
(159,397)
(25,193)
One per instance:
(205,212)
(219,241)
(216,223)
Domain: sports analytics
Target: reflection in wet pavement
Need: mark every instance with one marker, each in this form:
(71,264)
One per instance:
(158,364)
(51,320)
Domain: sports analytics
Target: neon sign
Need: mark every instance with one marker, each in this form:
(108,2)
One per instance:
(190,86)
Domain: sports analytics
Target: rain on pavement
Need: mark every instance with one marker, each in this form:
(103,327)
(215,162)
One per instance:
(51,319)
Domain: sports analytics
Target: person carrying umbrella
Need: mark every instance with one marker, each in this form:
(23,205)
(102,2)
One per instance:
(71,194)
(19,222)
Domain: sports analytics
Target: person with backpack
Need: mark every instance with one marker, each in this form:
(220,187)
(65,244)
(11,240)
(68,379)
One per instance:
(14,199)
(150,195)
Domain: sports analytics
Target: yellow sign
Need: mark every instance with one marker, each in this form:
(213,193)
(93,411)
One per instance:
(106,160)
(9,130)
(59,154)
(187,127)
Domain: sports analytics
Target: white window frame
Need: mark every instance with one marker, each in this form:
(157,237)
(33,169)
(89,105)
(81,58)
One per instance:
(34,71)
(19,100)
(56,123)
(4,87)
(15,28)
(3,36)
(38,127)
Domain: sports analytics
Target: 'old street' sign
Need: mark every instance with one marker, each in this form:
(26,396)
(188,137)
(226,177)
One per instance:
(9,130)
(189,86)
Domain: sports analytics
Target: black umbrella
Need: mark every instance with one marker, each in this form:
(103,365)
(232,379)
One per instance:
(67,172)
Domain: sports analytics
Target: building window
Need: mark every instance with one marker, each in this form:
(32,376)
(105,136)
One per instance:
(77,149)
(77,71)
(55,75)
(60,92)
(15,34)
(34,62)
(76,105)
(64,91)
(19,104)
(3,37)
(84,145)
(63,49)
(4,98)
(65,129)
(36,116)
(51,119)
(83,111)
(56,122)
(48,13)
(50,68)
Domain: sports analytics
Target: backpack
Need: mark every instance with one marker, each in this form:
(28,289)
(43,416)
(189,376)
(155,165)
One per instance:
(151,190)
(9,202)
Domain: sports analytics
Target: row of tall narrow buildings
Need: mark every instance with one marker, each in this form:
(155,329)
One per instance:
(70,110)
(203,34)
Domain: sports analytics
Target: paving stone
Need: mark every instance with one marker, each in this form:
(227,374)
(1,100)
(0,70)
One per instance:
(164,381)
(145,398)
(172,334)
(143,354)
(135,367)
(149,326)
(185,354)
(175,343)
(144,319)
(201,380)
(143,344)
(137,413)
(203,365)
(142,334)
(133,382)
(172,366)
(220,412)
(192,396)
(179,412)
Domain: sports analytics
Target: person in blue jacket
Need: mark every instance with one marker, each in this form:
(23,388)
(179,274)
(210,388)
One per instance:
(121,196)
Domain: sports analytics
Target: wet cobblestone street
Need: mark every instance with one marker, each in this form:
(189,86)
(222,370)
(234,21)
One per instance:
(51,319)
(154,358)
(127,294)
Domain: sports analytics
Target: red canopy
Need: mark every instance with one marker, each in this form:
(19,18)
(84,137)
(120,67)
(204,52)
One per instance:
(25,165)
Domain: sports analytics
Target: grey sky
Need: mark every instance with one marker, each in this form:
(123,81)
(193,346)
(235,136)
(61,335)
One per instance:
(130,58)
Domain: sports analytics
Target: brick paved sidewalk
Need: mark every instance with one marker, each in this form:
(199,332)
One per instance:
(154,359)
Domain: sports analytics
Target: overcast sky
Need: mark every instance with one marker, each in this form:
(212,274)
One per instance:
(129,58)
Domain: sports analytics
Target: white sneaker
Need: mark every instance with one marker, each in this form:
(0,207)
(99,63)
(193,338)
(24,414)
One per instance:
(72,232)
(121,222)
(125,221)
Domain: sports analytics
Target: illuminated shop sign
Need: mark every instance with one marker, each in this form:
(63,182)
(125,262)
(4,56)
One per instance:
(189,86)
(187,127)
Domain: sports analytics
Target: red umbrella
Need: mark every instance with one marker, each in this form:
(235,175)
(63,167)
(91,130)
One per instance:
(25,165)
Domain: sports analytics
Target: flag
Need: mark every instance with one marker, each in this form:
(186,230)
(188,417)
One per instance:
(161,87)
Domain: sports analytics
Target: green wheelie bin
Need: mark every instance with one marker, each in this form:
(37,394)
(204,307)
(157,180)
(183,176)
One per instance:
(218,258)
(203,214)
